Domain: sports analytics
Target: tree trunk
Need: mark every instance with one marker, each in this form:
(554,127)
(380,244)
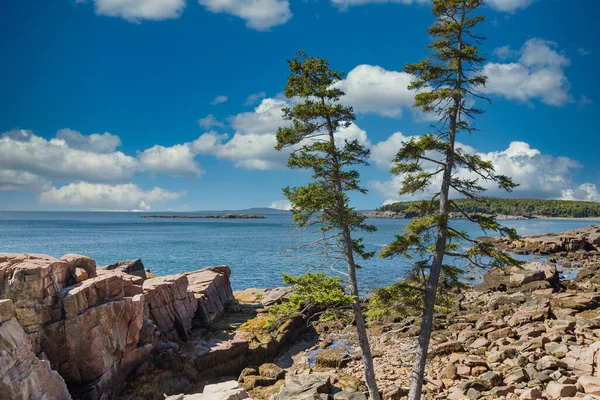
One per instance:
(363,338)
(418,373)
(348,249)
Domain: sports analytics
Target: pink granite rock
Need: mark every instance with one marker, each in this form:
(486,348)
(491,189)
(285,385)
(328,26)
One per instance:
(212,290)
(22,374)
(170,304)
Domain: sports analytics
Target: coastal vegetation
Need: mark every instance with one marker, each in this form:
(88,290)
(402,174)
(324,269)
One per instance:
(448,85)
(314,137)
(510,206)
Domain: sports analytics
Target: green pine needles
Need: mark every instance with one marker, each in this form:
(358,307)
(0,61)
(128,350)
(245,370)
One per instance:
(317,119)
(448,85)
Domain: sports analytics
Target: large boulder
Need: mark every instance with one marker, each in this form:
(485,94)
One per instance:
(132,267)
(171,305)
(22,374)
(304,387)
(526,278)
(83,320)
(212,290)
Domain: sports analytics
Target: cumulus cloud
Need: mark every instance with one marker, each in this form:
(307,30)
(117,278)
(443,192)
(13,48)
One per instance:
(254,98)
(508,5)
(281,205)
(370,88)
(537,74)
(177,160)
(219,100)
(99,143)
(21,181)
(107,197)
(539,175)
(21,150)
(383,152)
(138,10)
(258,14)
(585,191)
(210,122)
(252,146)
(349,3)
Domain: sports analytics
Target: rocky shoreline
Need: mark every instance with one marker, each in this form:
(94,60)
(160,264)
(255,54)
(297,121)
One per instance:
(72,330)
(453,215)
(221,216)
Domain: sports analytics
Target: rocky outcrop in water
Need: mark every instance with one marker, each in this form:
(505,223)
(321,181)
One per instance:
(583,239)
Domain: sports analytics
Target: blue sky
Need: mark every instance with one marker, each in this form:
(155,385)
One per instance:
(173,104)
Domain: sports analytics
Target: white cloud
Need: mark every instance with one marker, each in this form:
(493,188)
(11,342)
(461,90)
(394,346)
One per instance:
(281,205)
(137,10)
(370,88)
(21,150)
(265,118)
(99,143)
(107,197)
(21,181)
(538,74)
(254,98)
(585,191)
(252,146)
(383,152)
(508,5)
(219,100)
(584,52)
(349,3)
(539,175)
(177,160)
(258,14)
(583,101)
(210,122)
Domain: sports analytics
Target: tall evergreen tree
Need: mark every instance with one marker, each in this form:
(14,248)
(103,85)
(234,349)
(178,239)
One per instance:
(317,118)
(447,83)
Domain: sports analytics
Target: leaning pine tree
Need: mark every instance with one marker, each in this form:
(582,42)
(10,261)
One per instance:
(314,136)
(448,83)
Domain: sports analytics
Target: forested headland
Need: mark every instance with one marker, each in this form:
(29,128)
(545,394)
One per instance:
(517,207)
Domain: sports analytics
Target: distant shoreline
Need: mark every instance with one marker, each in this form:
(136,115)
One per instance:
(223,216)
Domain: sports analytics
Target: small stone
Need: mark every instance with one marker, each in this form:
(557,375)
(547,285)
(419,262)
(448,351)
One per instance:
(557,390)
(531,394)
(271,370)
(590,384)
(247,372)
(80,274)
(479,343)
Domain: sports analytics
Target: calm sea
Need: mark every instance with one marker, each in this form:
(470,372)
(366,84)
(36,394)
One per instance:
(252,248)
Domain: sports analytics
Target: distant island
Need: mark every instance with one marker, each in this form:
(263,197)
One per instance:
(503,208)
(223,216)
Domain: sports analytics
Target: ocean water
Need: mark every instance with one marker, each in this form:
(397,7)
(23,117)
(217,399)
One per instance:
(254,249)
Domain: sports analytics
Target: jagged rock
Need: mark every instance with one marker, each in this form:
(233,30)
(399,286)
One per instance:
(271,370)
(22,374)
(590,384)
(557,390)
(229,390)
(96,346)
(277,295)
(131,267)
(526,278)
(304,387)
(530,311)
(576,300)
(250,295)
(332,358)
(349,395)
(170,304)
(212,290)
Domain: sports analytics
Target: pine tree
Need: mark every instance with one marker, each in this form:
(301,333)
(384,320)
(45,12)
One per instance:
(317,118)
(448,84)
